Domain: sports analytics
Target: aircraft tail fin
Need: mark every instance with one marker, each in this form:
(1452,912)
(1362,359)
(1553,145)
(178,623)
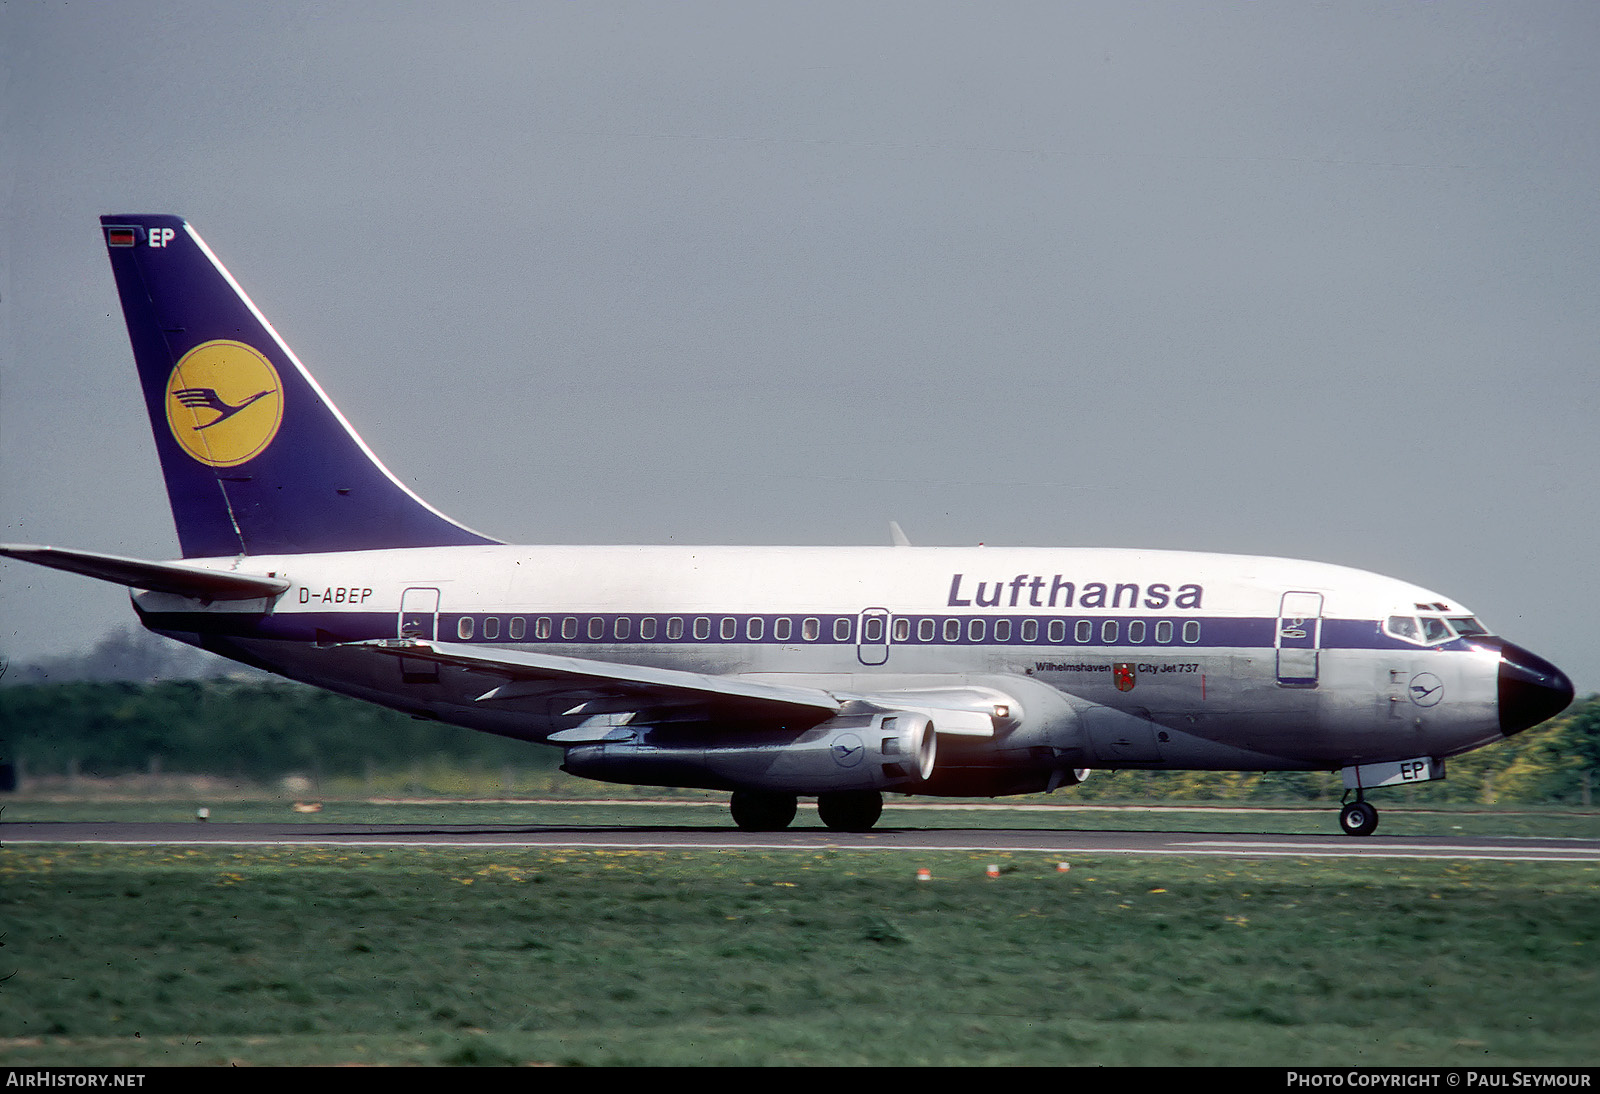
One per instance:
(257,459)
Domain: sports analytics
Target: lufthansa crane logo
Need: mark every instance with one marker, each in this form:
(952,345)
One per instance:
(224,403)
(1425,689)
(847,750)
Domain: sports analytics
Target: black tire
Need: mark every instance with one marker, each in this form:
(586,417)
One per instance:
(850,810)
(1359,819)
(761,811)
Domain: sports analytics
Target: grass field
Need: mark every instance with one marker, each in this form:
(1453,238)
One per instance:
(134,956)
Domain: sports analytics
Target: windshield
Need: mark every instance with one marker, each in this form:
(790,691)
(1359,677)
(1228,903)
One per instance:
(1432,630)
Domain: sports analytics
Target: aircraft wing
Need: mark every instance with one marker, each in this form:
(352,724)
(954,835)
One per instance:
(599,687)
(160,577)
(529,674)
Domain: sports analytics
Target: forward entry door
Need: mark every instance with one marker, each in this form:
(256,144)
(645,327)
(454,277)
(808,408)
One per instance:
(1299,639)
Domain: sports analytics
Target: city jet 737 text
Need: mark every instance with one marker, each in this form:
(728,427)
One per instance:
(769,672)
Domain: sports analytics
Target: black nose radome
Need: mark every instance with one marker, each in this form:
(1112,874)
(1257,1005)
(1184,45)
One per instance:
(1531,689)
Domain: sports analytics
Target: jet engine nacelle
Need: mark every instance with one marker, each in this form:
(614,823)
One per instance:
(894,750)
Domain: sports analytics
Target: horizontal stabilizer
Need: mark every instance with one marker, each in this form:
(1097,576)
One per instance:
(160,577)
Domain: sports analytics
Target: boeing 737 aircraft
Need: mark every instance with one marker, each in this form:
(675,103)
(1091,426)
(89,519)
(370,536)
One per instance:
(769,672)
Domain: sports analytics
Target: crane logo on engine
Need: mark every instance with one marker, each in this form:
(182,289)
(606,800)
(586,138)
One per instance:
(847,750)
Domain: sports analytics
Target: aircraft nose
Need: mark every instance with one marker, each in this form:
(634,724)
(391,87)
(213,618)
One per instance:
(1531,689)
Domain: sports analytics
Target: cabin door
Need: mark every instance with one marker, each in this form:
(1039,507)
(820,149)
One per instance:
(1299,638)
(419,618)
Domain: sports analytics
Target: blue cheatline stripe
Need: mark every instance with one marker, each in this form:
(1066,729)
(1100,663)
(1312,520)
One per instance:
(736,628)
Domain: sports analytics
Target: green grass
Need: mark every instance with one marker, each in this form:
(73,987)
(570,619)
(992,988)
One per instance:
(127,956)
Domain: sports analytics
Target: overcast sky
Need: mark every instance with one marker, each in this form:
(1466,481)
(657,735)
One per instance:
(1309,280)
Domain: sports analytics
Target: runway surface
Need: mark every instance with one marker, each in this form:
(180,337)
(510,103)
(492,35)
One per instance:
(1054,842)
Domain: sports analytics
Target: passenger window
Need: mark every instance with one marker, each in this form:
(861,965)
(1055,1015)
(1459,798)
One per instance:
(782,629)
(1002,630)
(730,628)
(597,627)
(1030,630)
(952,630)
(1136,631)
(702,628)
(811,629)
(872,631)
(754,629)
(1084,630)
(464,628)
(1191,631)
(674,629)
(1058,630)
(491,627)
(623,628)
(647,628)
(569,627)
(975,631)
(841,630)
(925,630)
(1108,631)
(519,628)
(902,629)
(1164,631)
(541,629)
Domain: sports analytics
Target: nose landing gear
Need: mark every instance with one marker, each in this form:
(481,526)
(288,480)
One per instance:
(1358,818)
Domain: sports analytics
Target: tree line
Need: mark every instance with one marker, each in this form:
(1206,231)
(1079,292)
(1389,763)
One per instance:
(258,730)
(264,729)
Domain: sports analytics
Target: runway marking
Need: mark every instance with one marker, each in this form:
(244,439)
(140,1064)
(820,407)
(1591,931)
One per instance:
(1018,842)
(1591,851)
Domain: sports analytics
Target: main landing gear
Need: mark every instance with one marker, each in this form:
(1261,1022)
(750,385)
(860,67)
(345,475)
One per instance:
(761,811)
(842,810)
(1358,818)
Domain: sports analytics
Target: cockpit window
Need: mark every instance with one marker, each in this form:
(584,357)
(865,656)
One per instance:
(1430,630)
(1403,626)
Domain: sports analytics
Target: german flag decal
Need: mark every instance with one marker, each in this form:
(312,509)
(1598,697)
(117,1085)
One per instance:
(119,237)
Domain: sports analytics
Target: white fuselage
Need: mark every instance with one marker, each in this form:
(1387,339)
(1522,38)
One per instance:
(1225,662)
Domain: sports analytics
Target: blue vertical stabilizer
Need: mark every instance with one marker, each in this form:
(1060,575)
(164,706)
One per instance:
(257,460)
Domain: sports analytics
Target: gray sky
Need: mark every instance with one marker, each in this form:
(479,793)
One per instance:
(1309,280)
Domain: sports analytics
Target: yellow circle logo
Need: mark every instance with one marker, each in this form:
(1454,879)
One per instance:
(224,403)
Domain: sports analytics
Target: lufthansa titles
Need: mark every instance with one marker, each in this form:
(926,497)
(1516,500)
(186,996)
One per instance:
(1055,591)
